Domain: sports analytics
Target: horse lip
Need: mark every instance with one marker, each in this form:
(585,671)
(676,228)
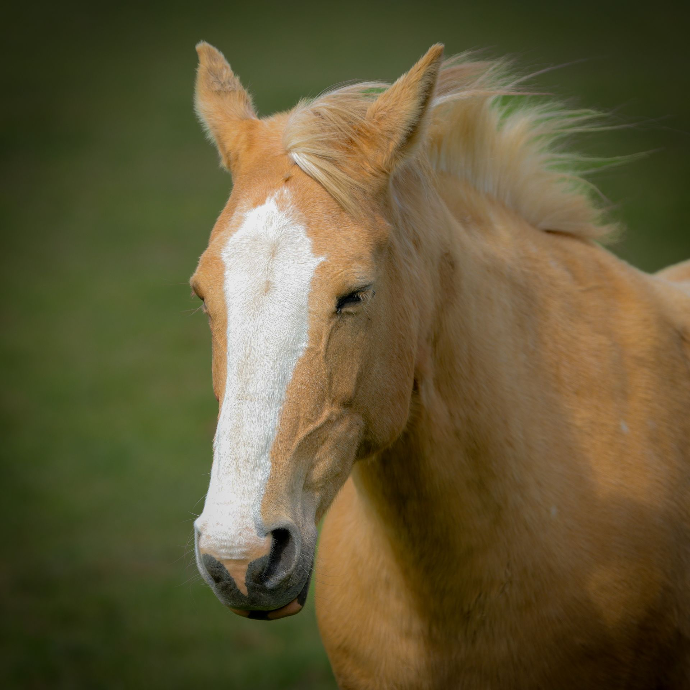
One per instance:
(290,609)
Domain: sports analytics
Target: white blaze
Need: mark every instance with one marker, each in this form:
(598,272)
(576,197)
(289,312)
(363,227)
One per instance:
(269,266)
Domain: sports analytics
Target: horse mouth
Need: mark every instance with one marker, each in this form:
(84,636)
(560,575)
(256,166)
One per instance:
(291,609)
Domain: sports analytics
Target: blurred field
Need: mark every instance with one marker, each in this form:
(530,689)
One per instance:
(109,193)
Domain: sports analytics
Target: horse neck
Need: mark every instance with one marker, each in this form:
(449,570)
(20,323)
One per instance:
(459,480)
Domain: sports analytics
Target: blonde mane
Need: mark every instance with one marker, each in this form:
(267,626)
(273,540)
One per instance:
(481,129)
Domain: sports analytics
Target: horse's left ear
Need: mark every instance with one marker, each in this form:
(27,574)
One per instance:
(397,116)
(221,103)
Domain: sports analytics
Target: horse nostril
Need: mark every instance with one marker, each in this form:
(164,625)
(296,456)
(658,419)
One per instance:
(282,558)
(214,569)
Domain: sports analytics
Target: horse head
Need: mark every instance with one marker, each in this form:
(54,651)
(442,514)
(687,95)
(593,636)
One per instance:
(314,323)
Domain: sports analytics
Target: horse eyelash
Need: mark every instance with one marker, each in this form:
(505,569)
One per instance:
(361,294)
(202,306)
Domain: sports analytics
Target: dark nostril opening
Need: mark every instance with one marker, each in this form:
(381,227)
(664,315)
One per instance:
(282,557)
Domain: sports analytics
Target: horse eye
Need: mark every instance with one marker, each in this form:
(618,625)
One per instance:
(352,298)
(203,301)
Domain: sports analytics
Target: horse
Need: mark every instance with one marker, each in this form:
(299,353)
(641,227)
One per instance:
(419,337)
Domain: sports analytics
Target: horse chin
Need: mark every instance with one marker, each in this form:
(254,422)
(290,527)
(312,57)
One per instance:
(291,609)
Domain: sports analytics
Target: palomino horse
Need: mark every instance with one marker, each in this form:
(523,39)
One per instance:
(409,311)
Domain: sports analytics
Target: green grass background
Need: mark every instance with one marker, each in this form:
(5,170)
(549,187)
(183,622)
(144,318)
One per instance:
(109,192)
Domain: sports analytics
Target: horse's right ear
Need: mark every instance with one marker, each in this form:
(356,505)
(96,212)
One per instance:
(221,103)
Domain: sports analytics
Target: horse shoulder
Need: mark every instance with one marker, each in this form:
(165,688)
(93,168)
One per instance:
(673,286)
(676,273)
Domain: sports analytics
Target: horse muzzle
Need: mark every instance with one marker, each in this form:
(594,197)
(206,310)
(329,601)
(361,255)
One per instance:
(266,580)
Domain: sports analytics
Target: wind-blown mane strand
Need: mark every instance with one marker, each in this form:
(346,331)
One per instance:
(482,129)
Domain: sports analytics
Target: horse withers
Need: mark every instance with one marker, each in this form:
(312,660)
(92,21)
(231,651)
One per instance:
(414,324)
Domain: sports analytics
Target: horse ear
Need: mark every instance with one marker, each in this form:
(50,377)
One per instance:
(221,103)
(397,116)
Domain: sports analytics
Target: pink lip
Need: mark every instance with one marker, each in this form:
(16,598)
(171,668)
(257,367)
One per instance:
(288,610)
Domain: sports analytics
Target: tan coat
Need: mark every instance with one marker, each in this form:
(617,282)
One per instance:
(502,405)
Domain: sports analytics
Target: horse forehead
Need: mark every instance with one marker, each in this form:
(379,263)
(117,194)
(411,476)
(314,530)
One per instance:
(269,264)
(266,236)
(289,229)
